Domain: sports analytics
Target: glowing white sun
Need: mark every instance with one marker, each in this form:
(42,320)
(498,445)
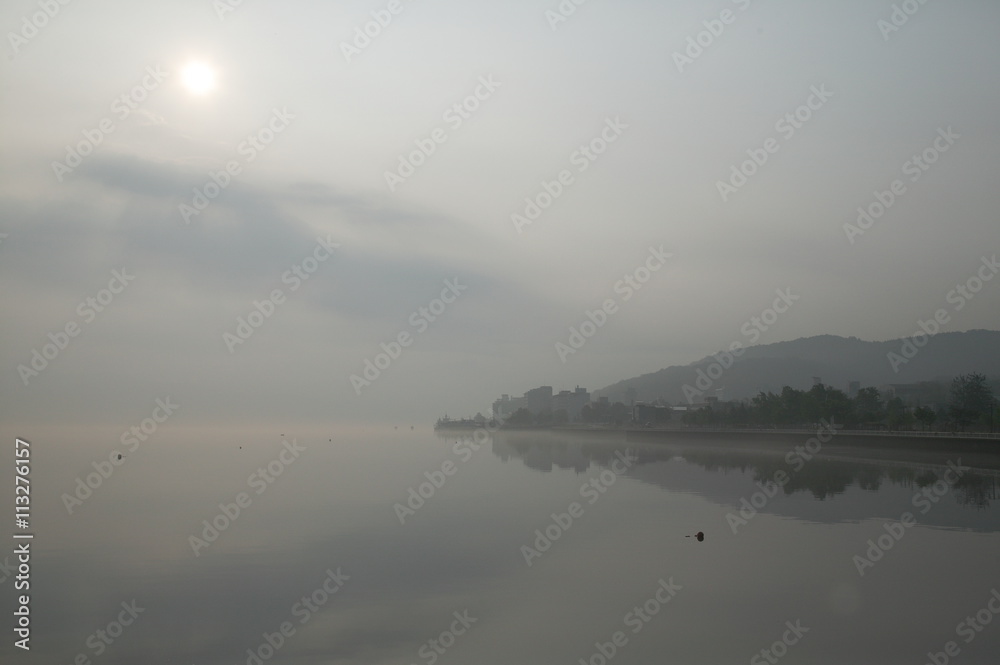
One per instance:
(198,78)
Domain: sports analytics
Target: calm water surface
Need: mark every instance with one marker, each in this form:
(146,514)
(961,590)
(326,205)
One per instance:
(533,549)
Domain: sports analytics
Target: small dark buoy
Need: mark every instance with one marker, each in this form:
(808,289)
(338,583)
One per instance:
(119,455)
(700,536)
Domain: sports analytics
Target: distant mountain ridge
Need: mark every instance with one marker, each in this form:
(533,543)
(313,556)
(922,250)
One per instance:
(836,360)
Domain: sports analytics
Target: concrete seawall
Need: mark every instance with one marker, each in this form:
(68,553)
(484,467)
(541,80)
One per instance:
(954,442)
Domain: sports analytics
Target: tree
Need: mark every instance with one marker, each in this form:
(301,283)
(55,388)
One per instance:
(740,415)
(971,400)
(925,416)
(868,406)
(897,414)
(618,413)
(702,416)
(764,408)
(594,412)
(822,401)
(521,417)
(560,417)
(792,410)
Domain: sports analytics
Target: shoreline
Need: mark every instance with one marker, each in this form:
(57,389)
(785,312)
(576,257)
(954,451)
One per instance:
(935,451)
(916,442)
(977,443)
(849,437)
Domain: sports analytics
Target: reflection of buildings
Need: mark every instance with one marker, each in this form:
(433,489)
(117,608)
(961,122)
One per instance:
(668,465)
(543,457)
(541,401)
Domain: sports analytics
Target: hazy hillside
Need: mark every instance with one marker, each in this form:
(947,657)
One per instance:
(836,360)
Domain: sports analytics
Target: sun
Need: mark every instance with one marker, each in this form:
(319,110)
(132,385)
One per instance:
(198,78)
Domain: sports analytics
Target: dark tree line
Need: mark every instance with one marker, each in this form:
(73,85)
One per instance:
(970,406)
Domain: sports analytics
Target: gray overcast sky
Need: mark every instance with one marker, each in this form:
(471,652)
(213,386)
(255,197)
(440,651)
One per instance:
(682,127)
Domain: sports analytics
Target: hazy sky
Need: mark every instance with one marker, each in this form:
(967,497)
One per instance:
(310,127)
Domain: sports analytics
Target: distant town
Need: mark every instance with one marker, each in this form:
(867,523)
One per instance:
(966,404)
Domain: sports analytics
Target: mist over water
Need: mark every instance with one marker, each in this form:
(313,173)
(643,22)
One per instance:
(545,546)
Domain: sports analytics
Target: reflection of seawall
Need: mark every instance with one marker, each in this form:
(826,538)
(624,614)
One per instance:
(843,438)
(841,464)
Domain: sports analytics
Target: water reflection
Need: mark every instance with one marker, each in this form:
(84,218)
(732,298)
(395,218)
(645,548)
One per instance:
(823,477)
(730,595)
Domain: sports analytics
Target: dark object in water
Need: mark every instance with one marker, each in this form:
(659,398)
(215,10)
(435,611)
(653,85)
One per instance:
(700,536)
(119,455)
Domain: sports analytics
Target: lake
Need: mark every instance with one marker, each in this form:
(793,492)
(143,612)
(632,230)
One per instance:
(391,545)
